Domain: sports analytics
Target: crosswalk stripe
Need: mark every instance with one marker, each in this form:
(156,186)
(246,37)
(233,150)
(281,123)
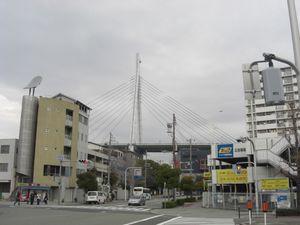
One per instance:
(112,208)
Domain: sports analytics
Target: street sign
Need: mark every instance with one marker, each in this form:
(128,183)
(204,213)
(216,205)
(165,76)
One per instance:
(137,173)
(225,151)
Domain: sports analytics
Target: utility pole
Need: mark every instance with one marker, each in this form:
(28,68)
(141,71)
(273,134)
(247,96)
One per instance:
(174,141)
(146,170)
(191,165)
(109,160)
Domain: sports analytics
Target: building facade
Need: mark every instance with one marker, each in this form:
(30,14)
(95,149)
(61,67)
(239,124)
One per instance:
(8,152)
(60,137)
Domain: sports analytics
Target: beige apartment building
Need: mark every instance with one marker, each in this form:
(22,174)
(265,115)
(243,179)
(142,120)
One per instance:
(58,138)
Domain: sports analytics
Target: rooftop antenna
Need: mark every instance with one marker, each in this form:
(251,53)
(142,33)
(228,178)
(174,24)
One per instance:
(33,84)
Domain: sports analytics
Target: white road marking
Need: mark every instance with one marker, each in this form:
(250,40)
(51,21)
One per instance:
(112,208)
(143,220)
(198,221)
(168,221)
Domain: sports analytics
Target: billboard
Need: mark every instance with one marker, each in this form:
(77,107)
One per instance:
(274,184)
(225,151)
(228,176)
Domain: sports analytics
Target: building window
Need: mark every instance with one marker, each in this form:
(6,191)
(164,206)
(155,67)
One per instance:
(288,80)
(289,88)
(50,170)
(3,167)
(5,187)
(4,149)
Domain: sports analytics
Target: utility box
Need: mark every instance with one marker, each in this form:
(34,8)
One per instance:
(273,88)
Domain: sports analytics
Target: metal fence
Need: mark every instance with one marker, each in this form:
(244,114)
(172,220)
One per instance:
(238,201)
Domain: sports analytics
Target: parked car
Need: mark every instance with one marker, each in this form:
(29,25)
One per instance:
(137,200)
(147,196)
(95,197)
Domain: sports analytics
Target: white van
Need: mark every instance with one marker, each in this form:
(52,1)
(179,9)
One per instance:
(95,197)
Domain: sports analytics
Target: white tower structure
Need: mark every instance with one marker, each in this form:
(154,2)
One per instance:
(27,132)
(136,120)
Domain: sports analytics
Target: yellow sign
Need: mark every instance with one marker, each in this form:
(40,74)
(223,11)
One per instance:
(207,175)
(274,184)
(227,176)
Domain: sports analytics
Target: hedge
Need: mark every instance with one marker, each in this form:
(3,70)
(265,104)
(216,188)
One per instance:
(169,204)
(287,212)
(178,202)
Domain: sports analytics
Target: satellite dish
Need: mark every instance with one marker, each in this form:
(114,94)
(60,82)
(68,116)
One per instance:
(34,82)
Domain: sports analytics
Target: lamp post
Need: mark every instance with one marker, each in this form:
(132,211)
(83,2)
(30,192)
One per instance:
(243,140)
(146,169)
(172,132)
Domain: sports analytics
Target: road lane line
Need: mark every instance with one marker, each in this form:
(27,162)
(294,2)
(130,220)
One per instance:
(143,220)
(170,220)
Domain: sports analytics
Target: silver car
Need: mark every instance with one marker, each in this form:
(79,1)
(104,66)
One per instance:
(137,200)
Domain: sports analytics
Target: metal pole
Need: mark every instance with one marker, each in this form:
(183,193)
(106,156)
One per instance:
(125,184)
(173,141)
(125,179)
(146,170)
(109,161)
(295,34)
(60,180)
(255,176)
(191,167)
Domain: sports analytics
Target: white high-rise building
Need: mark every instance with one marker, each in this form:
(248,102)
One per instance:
(269,121)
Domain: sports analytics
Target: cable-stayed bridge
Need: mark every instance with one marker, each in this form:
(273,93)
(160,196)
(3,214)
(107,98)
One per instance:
(142,107)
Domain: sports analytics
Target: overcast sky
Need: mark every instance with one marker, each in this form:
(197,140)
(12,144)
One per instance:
(193,50)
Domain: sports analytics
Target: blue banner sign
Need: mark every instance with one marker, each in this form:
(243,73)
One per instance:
(225,151)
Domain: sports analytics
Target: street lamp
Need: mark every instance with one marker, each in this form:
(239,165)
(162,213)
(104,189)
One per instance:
(243,140)
(125,182)
(172,132)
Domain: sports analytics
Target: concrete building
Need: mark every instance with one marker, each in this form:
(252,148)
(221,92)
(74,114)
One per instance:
(24,171)
(268,121)
(8,152)
(61,135)
(119,159)
(98,159)
(265,158)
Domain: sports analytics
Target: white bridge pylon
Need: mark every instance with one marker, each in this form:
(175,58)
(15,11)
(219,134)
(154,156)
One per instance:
(123,107)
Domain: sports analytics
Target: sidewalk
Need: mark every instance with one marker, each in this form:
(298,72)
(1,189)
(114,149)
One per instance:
(196,210)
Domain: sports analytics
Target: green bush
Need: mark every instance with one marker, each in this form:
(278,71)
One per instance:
(287,212)
(169,204)
(180,202)
(193,199)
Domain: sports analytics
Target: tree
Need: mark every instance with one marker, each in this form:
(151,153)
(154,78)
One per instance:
(187,184)
(294,173)
(169,176)
(113,179)
(88,180)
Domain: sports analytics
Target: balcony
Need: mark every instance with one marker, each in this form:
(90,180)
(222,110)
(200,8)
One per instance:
(68,140)
(266,126)
(69,121)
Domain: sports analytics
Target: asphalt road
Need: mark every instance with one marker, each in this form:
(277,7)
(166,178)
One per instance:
(10,215)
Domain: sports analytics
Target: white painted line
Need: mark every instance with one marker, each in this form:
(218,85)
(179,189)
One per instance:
(170,220)
(138,221)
